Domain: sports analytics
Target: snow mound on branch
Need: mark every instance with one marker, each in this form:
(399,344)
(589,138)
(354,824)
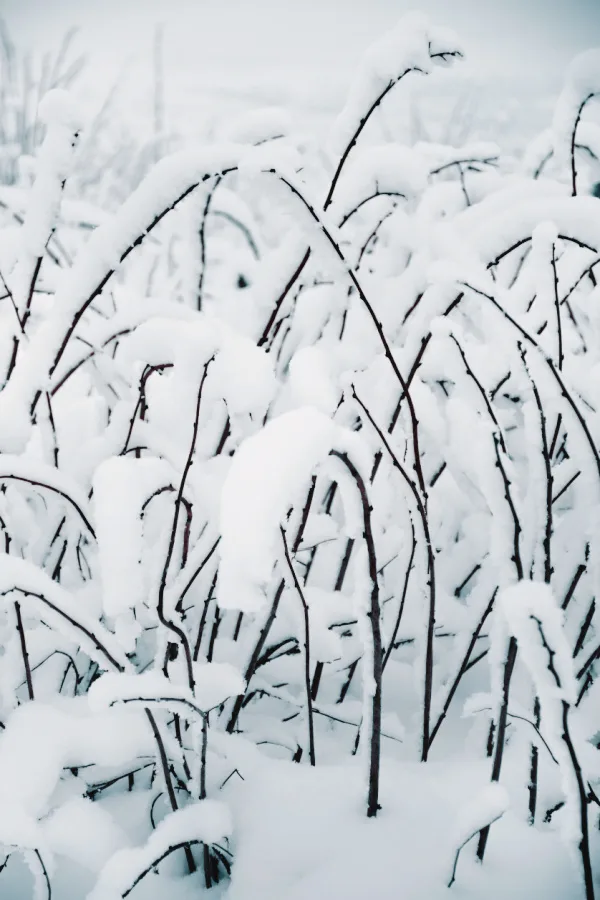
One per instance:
(388,169)
(41,740)
(244,374)
(582,83)
(266,477)
(68,829)
(215,683)
(265,480)
(172,179)
(208,822)
(407,47)
(121,487)
(58,609)
(313,378)
(528,607)
(58,107)
(491,802)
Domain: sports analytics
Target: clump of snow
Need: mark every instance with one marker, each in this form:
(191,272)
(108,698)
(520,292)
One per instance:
(581,85)
(55,606)
(410,46)
(122,485)
(208,821)
(243,374)
(70,736)
(58,107)
(387,169)
(491,802)
(312,379)
(529,606)
(265,479)
(68,831)
(214,683)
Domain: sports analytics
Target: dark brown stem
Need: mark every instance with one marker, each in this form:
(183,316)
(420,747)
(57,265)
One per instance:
(501,735)
(384,342)
(464,666)
(264,633)
(167,623)
(307,678)
(428,686)
(24,653)
(402,600)
(373,615)
(275,311)
(164,763)
(584,103)
(113,663)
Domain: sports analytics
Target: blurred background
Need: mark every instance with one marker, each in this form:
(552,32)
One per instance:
(165,71)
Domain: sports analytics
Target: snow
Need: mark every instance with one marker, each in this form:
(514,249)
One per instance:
(491,803)
(403,49)
(217,682)
(65,831)
(258,125)
(312,379)
(266,477)
(244,374)
(299,829)
(208,821)
(166,183)
(581,84)
(121,488)
(524,605)
(60,113)
(71,737)
(174,425)
(58,107)
(214,683)
(54,606)
(387,169)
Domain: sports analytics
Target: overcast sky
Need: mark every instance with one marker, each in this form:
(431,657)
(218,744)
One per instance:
(524,36)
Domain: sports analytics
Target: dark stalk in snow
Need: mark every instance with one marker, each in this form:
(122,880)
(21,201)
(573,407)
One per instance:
(565,392)
(375,624)
(278,304)
(428,684)
(164,764)
(584,838)
(267,625)
(306,619)
(582,106)
(166,622)
(88,634)
(24,653)
(463,668)
(500,735)
(374,318)
(413,550)
(202,239)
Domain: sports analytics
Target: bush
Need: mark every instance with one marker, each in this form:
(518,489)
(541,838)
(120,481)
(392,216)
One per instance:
(294,445)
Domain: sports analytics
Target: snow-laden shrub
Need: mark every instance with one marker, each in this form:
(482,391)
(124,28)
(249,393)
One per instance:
(299,441)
